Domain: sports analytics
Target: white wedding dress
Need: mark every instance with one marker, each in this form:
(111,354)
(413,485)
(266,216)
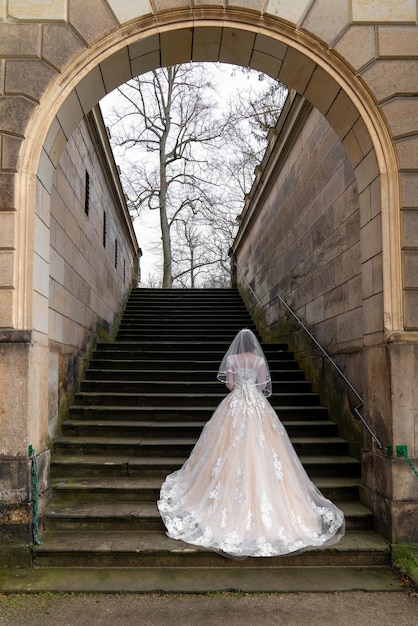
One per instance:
(243,491)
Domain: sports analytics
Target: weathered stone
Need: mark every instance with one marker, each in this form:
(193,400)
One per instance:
(387,78)
(91,20)
(326,20)
(377,11)
(408,152)
(15,112)
(357,46)
(411,310)
(126,11)
(291,11)
(60,45)
(20,40)
(28,77)
(10,147)
(7,182)
(410,228)
(45,10)
(397,41)
(402,115)
(409,183)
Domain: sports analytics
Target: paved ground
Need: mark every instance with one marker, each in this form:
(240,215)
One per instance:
(293,609)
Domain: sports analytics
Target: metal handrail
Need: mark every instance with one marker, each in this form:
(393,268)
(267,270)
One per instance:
(278,297)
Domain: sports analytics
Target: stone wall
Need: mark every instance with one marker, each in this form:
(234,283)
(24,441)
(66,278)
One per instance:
(92,262)
(92,266)
(305,246)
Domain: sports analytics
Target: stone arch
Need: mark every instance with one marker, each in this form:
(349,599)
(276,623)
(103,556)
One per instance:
(275,49)
(326,53)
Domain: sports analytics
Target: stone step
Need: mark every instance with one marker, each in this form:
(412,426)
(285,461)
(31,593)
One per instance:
(180,375)
(153,549)
(161,385)
(118,515)
(212,400)
(115,361)
(99,465)
(130,428)
(185,413)
(147,489)
(182,580)
(171,446)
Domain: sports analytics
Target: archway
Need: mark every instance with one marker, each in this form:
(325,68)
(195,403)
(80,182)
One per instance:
(266,43)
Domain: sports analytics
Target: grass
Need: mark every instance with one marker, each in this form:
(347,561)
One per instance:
(405,561)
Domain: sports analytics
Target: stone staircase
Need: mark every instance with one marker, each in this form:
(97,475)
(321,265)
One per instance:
(139,411)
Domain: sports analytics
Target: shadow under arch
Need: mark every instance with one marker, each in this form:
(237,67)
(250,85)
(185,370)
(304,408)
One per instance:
(240,38)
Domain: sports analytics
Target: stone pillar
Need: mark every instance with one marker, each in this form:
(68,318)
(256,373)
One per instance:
(390,485)
(24,417)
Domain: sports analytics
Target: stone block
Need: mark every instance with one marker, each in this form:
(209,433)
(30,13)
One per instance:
(176,46)
(296,70)
(411,310)
(40,313)
(373,314)
(254,5)
(28,77)
(265,63)
(354,292)
(321,90)
(6,268)
(7,184)
(20,40)
(357,46)
(377,11)
(397,41)
(60,45)
(387,78)
(349,326)
(236,46)
(366,171)
(409,228)
(15,480)
(116,70)
(409,184)
(402,114)
(10,147)
(342,115)
(46,170)
(15,112)
(91,20)
(407,148)
(206,44)
(410,269)
(336,301)
(7,229)
(126,11)
(6,309)
(168,5)
(371,239)
(290,11)
(315,311)
(70,114)
(91,89)
(326,20)
(35,10)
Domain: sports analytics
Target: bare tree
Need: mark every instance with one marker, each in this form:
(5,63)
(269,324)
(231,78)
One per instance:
(192,162)
(167,115)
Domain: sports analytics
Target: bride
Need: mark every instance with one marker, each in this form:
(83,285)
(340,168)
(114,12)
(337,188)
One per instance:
(243,491)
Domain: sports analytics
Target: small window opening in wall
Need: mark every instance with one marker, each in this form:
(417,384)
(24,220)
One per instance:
(124,271)
(87,194)
(104,229)
(116,253)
